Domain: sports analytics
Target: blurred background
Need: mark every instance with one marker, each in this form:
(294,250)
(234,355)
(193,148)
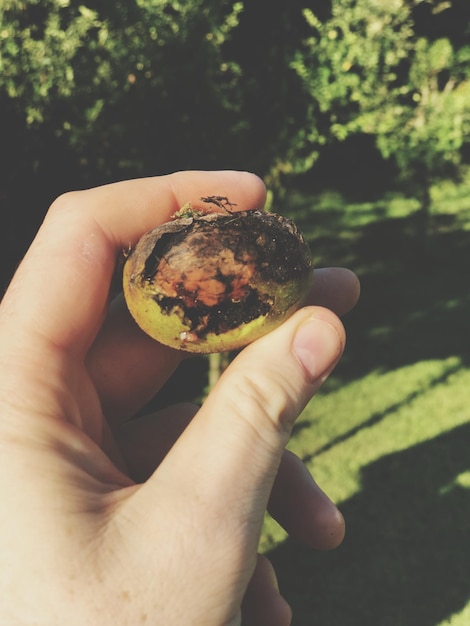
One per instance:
(357,114)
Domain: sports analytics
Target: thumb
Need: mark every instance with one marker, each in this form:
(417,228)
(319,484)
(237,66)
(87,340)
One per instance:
(234,444)
(208,497)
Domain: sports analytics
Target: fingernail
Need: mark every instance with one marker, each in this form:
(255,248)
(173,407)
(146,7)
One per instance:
(317,345)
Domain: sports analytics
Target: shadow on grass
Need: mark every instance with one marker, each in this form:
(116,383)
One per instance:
(406,557)
(378,417)
(415,292)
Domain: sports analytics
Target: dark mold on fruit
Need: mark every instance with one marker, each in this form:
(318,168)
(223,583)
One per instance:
(217,271)
(213,281)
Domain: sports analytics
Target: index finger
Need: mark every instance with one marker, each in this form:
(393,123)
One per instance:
(60,290)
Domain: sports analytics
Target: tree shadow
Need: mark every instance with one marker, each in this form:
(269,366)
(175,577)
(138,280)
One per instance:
(405,560)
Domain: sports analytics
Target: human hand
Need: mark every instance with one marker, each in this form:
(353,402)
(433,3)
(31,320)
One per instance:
(110,521)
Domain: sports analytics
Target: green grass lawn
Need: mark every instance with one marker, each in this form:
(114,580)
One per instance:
(389,436)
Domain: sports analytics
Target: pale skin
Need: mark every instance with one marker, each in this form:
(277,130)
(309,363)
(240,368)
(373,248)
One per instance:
(110,521)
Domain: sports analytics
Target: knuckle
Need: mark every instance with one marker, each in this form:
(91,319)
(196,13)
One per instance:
(268,404)
(64,203)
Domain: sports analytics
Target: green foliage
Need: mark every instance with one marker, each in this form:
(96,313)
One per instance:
(122,82)
(141,86)
(366,69)
(350,61)
(37,57)
(428,134)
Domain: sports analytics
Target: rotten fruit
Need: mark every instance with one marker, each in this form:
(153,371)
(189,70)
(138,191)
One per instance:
(210,282)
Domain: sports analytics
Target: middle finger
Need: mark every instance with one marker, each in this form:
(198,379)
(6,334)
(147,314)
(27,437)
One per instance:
(127,367)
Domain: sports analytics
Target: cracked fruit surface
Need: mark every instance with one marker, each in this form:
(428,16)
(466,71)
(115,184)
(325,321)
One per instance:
(210,282)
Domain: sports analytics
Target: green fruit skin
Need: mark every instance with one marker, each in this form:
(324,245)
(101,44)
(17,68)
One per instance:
(174,330)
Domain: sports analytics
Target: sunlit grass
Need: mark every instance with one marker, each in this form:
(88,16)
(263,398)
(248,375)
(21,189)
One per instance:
(378,415)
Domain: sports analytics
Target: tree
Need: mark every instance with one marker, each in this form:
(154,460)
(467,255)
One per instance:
(93,91)
(426,136)
(367,71)
(349,62)
(130,87)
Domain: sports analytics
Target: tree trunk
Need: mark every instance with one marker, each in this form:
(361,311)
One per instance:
(424,217)
(217,364)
